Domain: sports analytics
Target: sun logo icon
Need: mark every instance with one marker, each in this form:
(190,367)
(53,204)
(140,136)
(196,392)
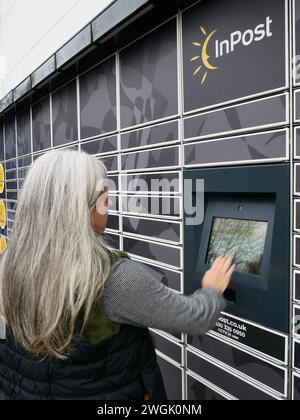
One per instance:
(203,56)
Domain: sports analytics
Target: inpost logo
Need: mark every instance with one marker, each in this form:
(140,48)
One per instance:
(226,46)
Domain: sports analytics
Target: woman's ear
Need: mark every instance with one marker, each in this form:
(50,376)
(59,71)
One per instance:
(103,202)
(98,221)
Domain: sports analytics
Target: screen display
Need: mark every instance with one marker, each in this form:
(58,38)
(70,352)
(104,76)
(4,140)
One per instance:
(241,239)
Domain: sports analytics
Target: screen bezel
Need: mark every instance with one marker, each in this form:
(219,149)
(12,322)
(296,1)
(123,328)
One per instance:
(256,208)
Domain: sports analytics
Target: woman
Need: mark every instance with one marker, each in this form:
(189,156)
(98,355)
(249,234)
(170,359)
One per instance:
(77,313)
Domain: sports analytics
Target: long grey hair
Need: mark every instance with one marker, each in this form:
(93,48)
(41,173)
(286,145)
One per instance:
(55,265)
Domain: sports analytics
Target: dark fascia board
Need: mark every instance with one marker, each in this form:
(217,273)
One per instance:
(116,13)
(22,89)
(6,101)
(113,16)
(76,45)
(44,71)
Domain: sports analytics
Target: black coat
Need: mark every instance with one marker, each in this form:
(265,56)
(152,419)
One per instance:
(122,367)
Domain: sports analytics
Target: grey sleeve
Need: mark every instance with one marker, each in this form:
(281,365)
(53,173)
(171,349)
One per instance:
(134,296)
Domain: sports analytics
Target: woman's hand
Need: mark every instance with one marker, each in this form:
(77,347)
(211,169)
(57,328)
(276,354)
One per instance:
(219,274)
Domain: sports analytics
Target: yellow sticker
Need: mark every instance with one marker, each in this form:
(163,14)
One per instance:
(2,214)
(1,178)
(2,244)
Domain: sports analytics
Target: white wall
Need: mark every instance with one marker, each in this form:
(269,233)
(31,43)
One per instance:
(32,30)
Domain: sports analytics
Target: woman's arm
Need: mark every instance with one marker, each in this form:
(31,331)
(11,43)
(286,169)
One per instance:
(134,296)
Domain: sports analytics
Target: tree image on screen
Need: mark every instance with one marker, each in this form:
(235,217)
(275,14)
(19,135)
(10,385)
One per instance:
(243,240)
